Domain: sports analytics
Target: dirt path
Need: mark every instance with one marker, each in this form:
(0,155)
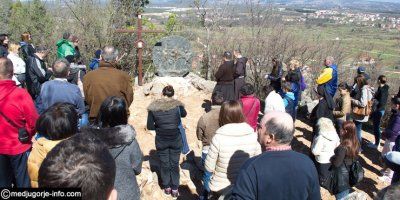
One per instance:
(190,173)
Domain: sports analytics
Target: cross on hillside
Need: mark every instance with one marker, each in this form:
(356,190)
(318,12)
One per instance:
(139,44)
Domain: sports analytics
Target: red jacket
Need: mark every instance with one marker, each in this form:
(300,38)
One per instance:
(251,108)
(17,105)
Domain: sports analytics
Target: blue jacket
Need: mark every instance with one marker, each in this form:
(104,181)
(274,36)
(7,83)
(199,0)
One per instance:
(332,85)
(60,91)
(94,64)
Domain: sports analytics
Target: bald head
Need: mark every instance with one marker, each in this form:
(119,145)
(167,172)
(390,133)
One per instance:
(61,68)
(279,125)
(6,69)
(109,54)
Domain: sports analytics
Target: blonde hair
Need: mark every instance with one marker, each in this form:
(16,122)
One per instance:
(13,47)
(294,63)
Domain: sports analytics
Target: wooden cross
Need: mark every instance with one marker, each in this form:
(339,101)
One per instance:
(139,44)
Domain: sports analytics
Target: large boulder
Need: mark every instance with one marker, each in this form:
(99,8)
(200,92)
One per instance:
(201,83)
(181,86)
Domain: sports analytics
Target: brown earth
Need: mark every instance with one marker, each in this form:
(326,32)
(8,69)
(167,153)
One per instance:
(190,173)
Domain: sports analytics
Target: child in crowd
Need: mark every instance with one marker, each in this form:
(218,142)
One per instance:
(289,99)
(57,123)
(251,105)
(84,162)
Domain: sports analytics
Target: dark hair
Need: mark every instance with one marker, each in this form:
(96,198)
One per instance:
(231,112)
(349,139)
(247,89)
(277,65)
(268,89)
(82,161)
(228,55)
(66,35)
(286,86)
(3,38)
(70,58)
(382,79)
(58,122)
(344,86)
(168,91)
(361,81)
(6,67)
(113,112)
(41,49)
(293,77)
(217,98)
(396,100)
(97,53)
(282,134)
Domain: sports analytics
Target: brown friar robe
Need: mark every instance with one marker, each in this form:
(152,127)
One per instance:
(104,82)
(225,80)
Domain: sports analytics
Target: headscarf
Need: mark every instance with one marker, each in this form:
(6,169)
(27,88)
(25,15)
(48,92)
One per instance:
(321,91)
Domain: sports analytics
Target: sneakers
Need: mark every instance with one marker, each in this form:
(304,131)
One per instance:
(372,146)
(175,194)
(167,191)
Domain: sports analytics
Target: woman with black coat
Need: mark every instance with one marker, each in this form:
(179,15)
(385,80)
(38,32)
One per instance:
(27,48)
(3,45)
(345,155)
(164,116)
(324,107)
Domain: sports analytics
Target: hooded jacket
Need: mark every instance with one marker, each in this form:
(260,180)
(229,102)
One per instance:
(329,79)
(324,107)
(230,147)
(104,82)
(251,108)
(18,106)
(274,102)
(392,131)
(323,146)
(36,74)
(27,50)
(164,118)
(40,149)
(65,48)
(125,149)
(289,100)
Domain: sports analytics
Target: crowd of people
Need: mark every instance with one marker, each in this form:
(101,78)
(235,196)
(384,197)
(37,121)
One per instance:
(66,126)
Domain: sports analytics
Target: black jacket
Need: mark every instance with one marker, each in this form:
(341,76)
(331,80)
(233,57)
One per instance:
(34,77)
(164,118)
(3,51)
(27,51)
(225,72)
(240,67)
(382,96)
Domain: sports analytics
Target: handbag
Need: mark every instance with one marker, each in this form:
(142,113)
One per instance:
(363,111)
(338,180)
(356,173)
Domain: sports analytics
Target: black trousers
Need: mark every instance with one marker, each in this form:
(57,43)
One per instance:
(169,152)
(14,170)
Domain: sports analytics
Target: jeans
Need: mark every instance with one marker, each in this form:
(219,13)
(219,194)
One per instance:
(342,195)
(185,148)
(206,177)
(169,152)
(376,119)
(359,130)
(14,170)
(84,120)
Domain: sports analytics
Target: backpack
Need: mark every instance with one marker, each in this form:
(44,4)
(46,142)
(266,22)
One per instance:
(356,173)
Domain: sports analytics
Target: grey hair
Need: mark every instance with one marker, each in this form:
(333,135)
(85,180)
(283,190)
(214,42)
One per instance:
(109,54)
(325,124)
(61,68)
(330,58)
(6,67)
(283,132)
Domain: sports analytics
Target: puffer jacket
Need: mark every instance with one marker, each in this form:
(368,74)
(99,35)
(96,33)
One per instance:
(361,100)
(230,147)
(163,117)
(65,48)
(324,144)
(343,109)
(125,149)
(39,152)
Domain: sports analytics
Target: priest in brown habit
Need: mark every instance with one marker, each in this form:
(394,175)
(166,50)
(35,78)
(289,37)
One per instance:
(225,77)
(240,72)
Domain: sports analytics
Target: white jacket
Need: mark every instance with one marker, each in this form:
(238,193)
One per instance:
(18,64)
(324,145)
(274,102)
(231,146)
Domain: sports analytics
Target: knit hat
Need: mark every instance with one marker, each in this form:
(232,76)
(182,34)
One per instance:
(361,70)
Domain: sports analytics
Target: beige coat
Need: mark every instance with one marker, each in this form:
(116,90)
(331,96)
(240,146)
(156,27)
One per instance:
(40,149)
(230,147)
(208,125)
(344,108)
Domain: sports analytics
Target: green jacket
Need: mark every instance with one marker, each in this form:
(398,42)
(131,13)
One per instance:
(64,48)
